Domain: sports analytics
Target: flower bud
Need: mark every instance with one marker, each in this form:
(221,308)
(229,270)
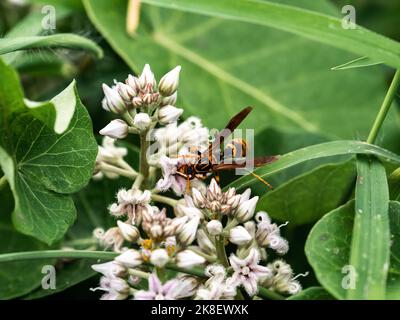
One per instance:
(133,82)
(188,231)
(128,231)
(125,92)
(171,100)
(142,121)
(239,235)
(245,211)
(188,259)
(117,284)
(204,242)
(159,258)
(112,100)
(214,227)
(277,243)
(116,129)
(198,198)
(169,82)
(169,114)
(147,78)
(130,258)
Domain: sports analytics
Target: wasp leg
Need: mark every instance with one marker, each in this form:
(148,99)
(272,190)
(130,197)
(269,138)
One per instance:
(187,185)
(216,175)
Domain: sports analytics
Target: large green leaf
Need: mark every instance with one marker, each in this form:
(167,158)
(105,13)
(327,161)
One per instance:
(370,247)
(227,65)
(313,25)
(328,250)
(17,278)
(312,293)
(308,197)
(321,150)
(47,151)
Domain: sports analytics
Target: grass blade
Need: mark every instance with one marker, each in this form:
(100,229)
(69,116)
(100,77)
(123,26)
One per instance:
(63,40)
(370,246)
(327,149)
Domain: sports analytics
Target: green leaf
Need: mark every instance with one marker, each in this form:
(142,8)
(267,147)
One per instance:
(328,250)
(312,293)
(370,247)
(61,40)
(327,149)
(313,25)
(30,25)
(47,151)
(309,196)
(393,286)
(17,278)
(274,75)
(357,63)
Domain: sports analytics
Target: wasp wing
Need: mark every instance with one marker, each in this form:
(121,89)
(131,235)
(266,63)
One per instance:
(236,163)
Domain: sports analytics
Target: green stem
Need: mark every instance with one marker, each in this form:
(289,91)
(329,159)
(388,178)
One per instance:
(144,165)
(269,294)
(3,182)
(31,255)
(192,271)
(162,199)
(138,181)
(390,95)
(221,253)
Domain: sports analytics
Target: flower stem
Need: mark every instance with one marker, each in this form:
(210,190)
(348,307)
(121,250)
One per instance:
(122,172)
(138,273)
(169,201)
(269,294)
(138,181)
(3,182)
(144,165)
(221,253)
(385,107)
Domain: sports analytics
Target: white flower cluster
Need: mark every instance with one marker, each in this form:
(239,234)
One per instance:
(219,231)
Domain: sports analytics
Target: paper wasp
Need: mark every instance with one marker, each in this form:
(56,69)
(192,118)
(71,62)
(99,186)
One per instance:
(213,160)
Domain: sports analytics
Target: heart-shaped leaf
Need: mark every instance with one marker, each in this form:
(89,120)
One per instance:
(47,150)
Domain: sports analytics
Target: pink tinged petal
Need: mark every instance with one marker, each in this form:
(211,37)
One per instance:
(169,287)
(155,284)
(236,263)
(261,271)
(248,287)
(144,295)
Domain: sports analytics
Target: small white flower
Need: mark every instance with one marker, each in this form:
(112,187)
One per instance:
(128,231)
(158,291)
(247,272)
(112,100)
(239,235)
(116,129)
(188,259)
(142,121)
(110,269)
(147,79)
(112,238)
(159,257)
(130,258)
(187,286)
(115,284)
(245,211)
(133,203)
(214,227)
(108,152)
(169,114)
(169,82)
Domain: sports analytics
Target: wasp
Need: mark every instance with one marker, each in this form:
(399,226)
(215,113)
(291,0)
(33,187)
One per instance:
(213,160)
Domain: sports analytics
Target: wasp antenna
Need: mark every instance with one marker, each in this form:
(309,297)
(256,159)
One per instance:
(260,179)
